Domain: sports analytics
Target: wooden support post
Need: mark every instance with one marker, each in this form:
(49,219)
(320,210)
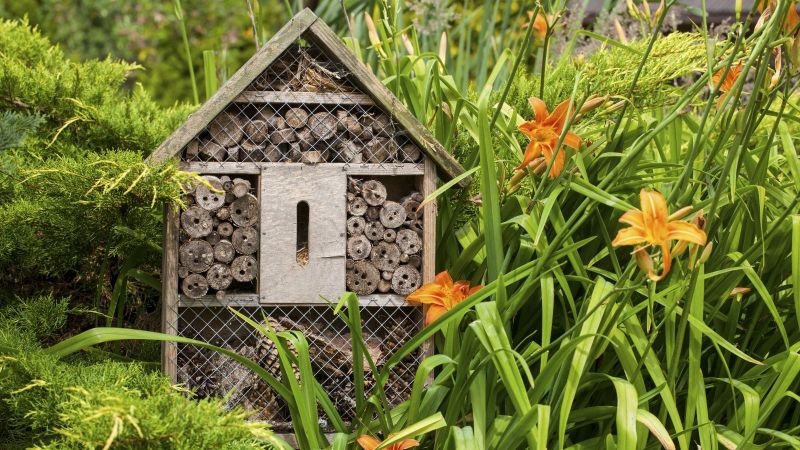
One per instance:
(169,291)
(427,187)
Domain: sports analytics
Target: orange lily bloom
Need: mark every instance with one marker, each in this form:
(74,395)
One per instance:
(539,27)
(789,22)
(727,83)
(370,443)
(653,226)
(544,131)
(441,295)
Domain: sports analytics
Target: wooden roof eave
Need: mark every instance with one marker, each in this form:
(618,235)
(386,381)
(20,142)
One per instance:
(307,25)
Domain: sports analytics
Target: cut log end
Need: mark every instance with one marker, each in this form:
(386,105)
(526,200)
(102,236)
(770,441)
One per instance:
(194,286)
(244,268)
(363,279)
(359,247)
(406,280)
(392,215)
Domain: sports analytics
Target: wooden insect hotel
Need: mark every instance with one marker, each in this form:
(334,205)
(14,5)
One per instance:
(314,176)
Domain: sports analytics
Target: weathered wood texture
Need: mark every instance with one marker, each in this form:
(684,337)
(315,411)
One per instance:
(246,168)
(427,187)
(321,35)
(306,25)
(316,98)
(383,246)
(169,291)
(215,255)
(196,122)
(284,280)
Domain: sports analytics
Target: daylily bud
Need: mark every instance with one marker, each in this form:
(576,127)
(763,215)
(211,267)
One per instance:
(407,43)
(681,213)
(518,176)
(538,166)
(615,106)
(372,32)
(659,12)
(446,110)
(737,291)
(643,260)
(620,32)
(593,103)
(706,253)
(778,63)
(579,60)
(633,10)
(443,47)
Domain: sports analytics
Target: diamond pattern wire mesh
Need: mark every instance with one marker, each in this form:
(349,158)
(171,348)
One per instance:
(385,328)
(303,108)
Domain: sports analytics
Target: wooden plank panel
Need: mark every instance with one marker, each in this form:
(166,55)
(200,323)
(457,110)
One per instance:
(211,301)
(283,279)
(253,168)
(169,292)
(321,98)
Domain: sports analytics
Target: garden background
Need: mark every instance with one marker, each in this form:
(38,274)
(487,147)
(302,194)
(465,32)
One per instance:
(576,341)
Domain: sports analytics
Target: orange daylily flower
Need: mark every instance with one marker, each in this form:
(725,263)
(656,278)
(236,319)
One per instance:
(653,226)
(539,27)
(370,443)
(790,21)
(441,295)
(543,131)
(727,83)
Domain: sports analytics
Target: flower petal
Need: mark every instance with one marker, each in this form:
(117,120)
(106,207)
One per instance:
(633,218)
(429,294)
(629,236)
(367,442)
(559,114)
(573,140)
(539,108)
(434,312)
(533,150)
(654,212)
(665,255)
(528,128)
(558,163)
(680,230)
(443,278)
(474,289)
(405,444)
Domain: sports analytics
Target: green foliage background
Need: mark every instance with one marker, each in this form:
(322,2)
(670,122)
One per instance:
(567,347)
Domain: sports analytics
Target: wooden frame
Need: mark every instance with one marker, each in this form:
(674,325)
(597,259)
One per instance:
(436,162)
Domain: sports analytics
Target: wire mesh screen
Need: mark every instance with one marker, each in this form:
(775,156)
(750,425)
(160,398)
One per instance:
(385,328)
(304,108)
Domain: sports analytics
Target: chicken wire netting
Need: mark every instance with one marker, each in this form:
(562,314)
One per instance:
(211,374)
(304,108)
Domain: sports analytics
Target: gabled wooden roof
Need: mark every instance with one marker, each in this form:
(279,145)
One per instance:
(308,26)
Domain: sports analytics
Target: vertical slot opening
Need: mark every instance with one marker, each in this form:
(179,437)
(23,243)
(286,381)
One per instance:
(302,233)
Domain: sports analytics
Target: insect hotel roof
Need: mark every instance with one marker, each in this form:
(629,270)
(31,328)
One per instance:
(307,26)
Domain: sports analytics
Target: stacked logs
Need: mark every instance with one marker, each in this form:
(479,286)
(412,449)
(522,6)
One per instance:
(300,134)
(219,237)
(384,244)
